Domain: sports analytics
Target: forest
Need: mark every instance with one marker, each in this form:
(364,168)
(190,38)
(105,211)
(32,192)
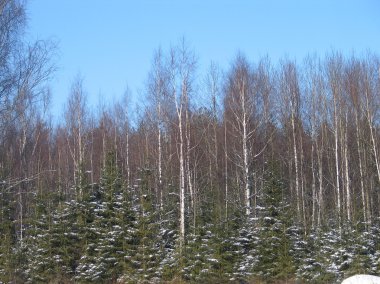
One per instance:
(260,173)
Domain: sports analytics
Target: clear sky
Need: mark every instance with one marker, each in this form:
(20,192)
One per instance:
(110,43)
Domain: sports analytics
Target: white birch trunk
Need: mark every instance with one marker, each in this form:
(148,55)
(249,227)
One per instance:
(188,169)
(337,184)
(302,186)
(160,166)
(297,187)
(127,157)
(245,154)
(226,170)
(313,187)
(347,176)
(80,150)
(320,190)
(361,169)
(373,141)
(182,185)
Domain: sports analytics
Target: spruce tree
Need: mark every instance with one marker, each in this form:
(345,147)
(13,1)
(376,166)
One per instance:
(109,231)
(41,266)
(7,235)
(310,268)
(146,245)
(246,249)
(170,263)
(273,246)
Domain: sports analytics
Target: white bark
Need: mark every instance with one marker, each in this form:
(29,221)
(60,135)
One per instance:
(361,169)
(295,156)
(347,176)
(245,151)
(337,185)
(181,182)
(302,186)
(226,169)
(188,169)
(75,115)
(80,149)
(313,187)
(21,215)
(127,156)
(313,142)
(160,163)
(372,133)
(320,148)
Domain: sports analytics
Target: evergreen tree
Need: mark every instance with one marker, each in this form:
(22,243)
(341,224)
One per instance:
(203,261)
(329,256)
(363,250)
(167,238)
(209,253)
(110,230)
(41,266)
(67,237)
(246,248)
(274,246)
(87,270)
(7,236)
(310,268)
(146,244)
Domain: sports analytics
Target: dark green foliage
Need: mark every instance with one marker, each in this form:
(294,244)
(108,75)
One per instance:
(67,236)
(108,228)
(41,265)
(118,233)
(310,268)
(201,261)
(225,251)
(147,246)
(7,235)
(273,251)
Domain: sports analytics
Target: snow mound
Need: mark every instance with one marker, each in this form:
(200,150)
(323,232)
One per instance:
(362,279)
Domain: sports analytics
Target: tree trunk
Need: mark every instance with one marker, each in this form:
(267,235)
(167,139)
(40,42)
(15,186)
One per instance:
(295,156)
(347,176)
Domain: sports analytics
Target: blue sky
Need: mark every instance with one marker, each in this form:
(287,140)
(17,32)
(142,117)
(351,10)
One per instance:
(110,43)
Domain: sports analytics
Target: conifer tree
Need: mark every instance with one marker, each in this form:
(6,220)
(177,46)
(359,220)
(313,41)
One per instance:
(273,248)
(310,268)
(109,230)
(146,245)
(7,235)
(41,266)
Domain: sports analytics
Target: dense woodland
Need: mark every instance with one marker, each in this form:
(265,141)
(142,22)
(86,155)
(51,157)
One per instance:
(265,171)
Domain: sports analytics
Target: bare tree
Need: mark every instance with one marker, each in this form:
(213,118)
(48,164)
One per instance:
(291,100)
(213,87)
(24,68)
(243,103)
(76,123)
(352,86)
(181,65)
(158,94)
(316,104)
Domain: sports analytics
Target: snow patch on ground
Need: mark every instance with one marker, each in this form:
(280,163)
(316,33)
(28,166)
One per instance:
(362,279)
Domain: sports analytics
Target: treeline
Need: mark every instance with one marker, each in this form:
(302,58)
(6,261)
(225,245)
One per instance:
(260,171)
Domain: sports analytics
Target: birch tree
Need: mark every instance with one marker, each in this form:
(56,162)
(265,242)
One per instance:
(291,100)
(242,107)
(181,66)
(353,88)
(76,126)
(158,94)
(213,87)
(334,65)
(317,113)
